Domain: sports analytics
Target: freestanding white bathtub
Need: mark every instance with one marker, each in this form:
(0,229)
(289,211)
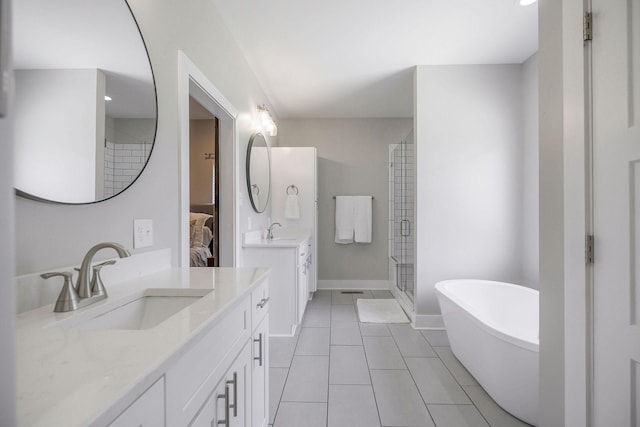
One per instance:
(493,331)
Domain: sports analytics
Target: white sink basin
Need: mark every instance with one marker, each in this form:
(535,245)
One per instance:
(144,311)
(275,239)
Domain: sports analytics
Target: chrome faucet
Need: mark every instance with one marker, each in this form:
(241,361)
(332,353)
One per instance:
(270,230)
(83,285)
(87,289)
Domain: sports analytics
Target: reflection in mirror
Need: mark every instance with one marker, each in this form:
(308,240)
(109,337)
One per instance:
(85,99)
(258,172)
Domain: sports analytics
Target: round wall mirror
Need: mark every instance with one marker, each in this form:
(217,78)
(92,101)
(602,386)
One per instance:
(258,172)
(85,111)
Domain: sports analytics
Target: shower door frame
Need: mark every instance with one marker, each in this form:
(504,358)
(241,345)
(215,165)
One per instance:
(401,295)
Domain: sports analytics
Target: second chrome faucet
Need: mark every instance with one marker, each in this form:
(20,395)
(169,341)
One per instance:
(89,288)
(270,230)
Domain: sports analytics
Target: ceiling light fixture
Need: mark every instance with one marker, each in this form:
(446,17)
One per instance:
(527,2)
(266,121)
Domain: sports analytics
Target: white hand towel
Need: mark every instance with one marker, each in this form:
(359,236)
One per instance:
(362,219)
(344,219)
(292,207)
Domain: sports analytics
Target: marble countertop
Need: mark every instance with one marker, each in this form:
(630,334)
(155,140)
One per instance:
(72,377)
(255,240)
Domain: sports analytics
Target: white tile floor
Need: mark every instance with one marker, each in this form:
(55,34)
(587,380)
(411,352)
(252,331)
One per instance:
(338,372)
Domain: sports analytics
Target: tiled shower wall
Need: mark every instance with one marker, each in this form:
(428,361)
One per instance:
(402,213)
(128,146)
(122,164)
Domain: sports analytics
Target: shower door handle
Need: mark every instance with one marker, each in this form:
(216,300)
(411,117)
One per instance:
(405,231)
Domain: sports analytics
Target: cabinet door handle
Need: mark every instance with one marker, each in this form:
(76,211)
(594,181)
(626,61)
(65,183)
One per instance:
(234,381)
(263,302)
(259,341)
(225,396)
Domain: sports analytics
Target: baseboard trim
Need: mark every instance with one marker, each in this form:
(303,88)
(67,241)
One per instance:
(353,284)
(428,321)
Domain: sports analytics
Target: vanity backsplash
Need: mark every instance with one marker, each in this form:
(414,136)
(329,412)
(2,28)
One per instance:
(33,292)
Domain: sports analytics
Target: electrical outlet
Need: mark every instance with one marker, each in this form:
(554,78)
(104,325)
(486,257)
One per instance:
(142,233)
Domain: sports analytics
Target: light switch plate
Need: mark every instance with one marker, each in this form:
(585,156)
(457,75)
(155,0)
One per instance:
(142,233)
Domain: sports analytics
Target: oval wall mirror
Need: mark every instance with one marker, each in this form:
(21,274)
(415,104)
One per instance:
(258,172)
(85,110)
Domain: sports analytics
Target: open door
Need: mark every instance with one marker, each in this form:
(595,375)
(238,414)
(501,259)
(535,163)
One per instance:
(204,184)
(616,212)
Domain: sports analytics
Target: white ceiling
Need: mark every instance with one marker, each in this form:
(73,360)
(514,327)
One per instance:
(355,58)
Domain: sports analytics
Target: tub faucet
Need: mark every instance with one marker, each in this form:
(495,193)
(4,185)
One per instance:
(270,230)
(83,285)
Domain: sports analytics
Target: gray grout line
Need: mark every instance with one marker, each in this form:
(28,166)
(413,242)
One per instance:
(414,380)
(286,378)
(329,307)
(373,390)
(329,362)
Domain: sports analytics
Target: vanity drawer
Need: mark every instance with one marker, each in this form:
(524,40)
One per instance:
(259,304)
(191,380)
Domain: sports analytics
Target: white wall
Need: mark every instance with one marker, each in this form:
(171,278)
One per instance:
(7,267)
(7,288)
(130,131)
(564,284)
(56,119)
(56,235)
(530,190)
(468,151)
(202,135)
(353,158)
(551,221)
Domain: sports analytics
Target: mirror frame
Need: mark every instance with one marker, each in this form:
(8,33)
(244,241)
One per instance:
(248,170)
(155,134)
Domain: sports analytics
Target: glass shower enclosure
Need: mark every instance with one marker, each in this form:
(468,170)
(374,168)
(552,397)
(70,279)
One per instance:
(402,216)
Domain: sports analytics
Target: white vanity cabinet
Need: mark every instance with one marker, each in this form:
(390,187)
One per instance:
(195,377)
(223,380)
(304,276)
(260,375)
(260,301)
(207,365)
(297,166)
(144,411)
(228,404)
(288,283)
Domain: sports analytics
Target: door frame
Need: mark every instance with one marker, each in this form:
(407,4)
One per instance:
(193,82)
(565,216)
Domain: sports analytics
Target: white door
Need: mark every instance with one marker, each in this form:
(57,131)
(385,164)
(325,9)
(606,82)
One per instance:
(616,185)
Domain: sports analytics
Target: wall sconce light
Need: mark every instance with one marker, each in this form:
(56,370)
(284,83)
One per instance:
(266,121)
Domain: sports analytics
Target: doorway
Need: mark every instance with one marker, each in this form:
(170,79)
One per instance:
(194,84)
(204,184)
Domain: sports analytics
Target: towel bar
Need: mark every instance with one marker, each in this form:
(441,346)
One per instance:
(334,197)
